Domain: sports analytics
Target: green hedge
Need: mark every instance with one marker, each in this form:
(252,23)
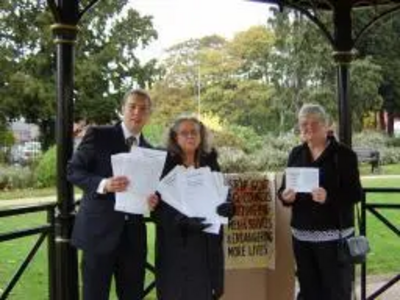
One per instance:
(46,169)
(15,177)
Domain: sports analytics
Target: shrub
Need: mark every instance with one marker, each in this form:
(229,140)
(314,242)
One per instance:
(389,148)
(393,142)
(249,139)
(271,159)
(236,161)
(226,139)
(271,156)
(154,133)
(389,155)
(15,177)
(46,169)
(284,142)
(371,139)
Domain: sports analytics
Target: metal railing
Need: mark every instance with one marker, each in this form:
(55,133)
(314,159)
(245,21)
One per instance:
(44,231)
(47,231)
(374,209)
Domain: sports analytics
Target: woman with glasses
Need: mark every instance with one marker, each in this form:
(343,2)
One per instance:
(321,217)
(189,261)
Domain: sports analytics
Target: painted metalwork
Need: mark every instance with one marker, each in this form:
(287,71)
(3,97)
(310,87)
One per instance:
(374,209)
(342,40)
(44,231)
(67,15)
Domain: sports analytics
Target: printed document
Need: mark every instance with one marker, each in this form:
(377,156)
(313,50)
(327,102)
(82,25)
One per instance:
(143,168)
(195,193)
(302,180)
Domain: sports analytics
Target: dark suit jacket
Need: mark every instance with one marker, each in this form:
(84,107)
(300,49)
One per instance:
(97,226)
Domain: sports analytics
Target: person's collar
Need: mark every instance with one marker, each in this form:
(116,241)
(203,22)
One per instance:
(127,133)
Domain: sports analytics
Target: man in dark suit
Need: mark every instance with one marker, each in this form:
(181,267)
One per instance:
(113,242)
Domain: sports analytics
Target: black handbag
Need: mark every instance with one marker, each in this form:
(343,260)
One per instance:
(353,249)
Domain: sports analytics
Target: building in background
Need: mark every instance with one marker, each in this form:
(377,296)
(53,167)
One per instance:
(24,132)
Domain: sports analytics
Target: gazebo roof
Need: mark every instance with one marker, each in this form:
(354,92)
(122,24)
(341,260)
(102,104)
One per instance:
(329,4)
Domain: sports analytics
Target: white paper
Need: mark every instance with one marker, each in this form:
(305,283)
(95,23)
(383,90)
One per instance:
(143,168)
(195,193)
(169,189)
(302,180)
(201,195)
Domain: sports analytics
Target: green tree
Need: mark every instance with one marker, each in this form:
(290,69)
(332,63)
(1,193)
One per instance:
(241,102)
(365,80)
(190,68)
(205,57)
(218,73)
(301,65)
(304,71)
(106,60)
(170,102)
(254,47)
(381,43)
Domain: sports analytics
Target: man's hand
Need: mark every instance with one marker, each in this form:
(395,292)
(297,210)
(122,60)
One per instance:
(288,195)
(116,184)
(153,201)
(319,195)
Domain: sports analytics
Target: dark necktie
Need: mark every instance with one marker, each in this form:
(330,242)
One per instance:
(130,141)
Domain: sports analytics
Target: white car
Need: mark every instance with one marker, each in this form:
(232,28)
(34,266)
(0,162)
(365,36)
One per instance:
(22,154)
(396,129)
(32,150)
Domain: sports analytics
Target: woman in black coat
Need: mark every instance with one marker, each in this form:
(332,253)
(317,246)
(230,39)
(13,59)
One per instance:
(189,261)
(322,217)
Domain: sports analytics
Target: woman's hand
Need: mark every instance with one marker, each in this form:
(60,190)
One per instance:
(319,195)
(226,209)
(288,195)
(153,201)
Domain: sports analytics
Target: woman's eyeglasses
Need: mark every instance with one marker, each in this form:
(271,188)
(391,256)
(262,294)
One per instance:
(187,134)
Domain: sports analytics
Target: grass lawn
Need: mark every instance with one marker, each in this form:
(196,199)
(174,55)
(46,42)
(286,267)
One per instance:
(385,244)
(365,169)
(383,259)
(34,282)
(27,193)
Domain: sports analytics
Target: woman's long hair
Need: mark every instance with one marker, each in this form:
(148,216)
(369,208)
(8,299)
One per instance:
(175,149)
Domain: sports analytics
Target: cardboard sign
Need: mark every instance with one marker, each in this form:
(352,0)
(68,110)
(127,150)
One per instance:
(250,238)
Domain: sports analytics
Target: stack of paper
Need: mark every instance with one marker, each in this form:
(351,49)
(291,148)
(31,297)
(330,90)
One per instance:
(143,168)
(195,193)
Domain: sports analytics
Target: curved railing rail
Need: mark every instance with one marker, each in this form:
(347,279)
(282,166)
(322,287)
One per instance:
(375,210)
(43,231)
(47,231)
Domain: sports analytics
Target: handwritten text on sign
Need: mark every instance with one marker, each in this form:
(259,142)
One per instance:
(249,240)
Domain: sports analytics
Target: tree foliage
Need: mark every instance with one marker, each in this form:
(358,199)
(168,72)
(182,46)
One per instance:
(381,43)
(107,63)
(258,79)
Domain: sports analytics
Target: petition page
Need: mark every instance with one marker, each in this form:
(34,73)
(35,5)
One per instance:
(302,180)
(143,168)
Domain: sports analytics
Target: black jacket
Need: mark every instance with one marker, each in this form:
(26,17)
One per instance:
(189,265)
(97,225)
(339,175)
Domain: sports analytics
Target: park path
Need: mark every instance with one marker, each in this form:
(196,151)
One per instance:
(51,199)
(373,282)
(4,204)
